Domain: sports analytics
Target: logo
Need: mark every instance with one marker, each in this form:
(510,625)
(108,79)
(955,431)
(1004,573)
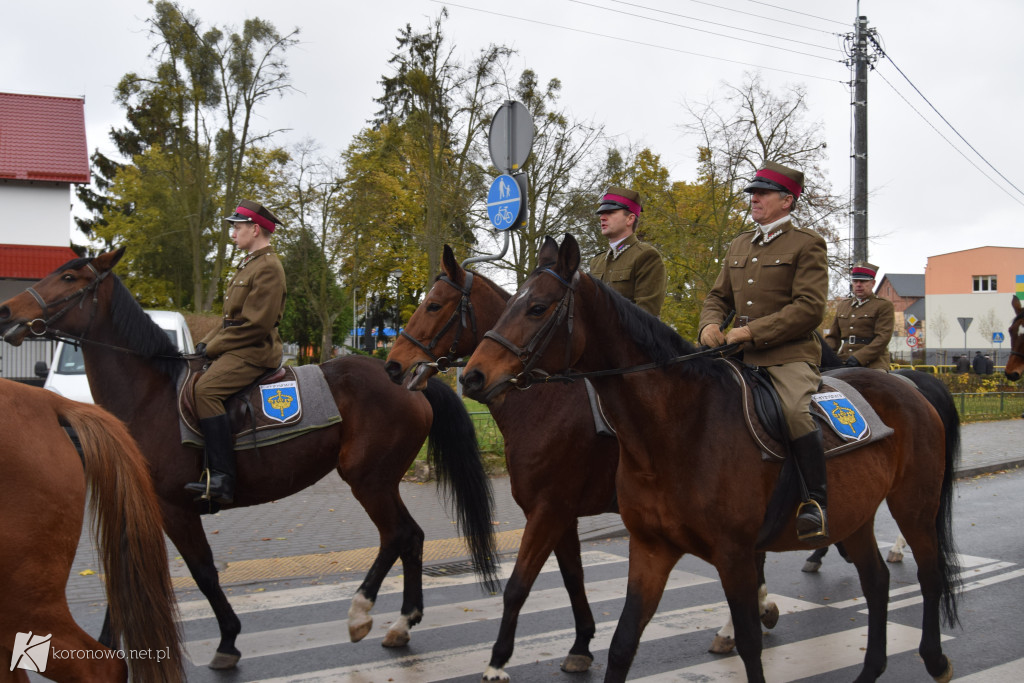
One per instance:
(31,651)
(842,415)
(280,400)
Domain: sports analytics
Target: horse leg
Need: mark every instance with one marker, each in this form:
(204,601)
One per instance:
(540,537)
(649,565)
(725,639)
(813,562)
(400,537)
(185,530)
(738,571)
(862,548)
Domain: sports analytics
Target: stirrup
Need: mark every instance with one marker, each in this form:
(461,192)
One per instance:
(205,496)
(821,531)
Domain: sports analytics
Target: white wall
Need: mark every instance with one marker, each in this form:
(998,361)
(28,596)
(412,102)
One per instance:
(36,213)
(979,306)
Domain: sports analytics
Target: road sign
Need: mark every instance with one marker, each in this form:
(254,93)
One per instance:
(911,320)
(911,330)
(965,323)
(998,338)
(504,202)
(511,136)
(912,341)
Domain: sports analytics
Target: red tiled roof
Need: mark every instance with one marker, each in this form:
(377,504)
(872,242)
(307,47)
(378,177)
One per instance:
(27,262)
(43,138)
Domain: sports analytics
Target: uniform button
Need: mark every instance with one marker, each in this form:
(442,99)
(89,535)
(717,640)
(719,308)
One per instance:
(750,303)
(753,260)
(776,260)
(750,282)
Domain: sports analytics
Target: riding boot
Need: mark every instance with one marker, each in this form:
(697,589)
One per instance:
(217,482)
(811,516)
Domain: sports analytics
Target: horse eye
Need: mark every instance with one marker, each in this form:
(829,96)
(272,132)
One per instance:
(433,308)
(537,310)
(67,277)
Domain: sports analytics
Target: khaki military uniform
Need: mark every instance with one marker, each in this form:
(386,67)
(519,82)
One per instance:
(777,285)
(863,330)
(248,344)
(635,270)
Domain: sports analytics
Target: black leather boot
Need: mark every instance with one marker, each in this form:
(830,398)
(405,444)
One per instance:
(811,516)
(218,480)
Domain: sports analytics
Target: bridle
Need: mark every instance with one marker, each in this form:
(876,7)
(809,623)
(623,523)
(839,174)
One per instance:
(529,354)
(462,311)
(40,327)
(1017,319)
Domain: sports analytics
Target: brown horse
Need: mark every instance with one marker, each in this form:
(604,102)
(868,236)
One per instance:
(552,491)
(42,507)
(132,367)
(690,479)
(1015,363)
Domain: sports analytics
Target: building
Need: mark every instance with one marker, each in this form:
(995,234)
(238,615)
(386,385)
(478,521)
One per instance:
(968,301)
(43,152)
(906,292)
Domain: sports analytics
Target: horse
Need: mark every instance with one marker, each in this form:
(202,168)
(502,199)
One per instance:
(1015,362)
(690,479)
(553,492)
(132,366)
(45,482)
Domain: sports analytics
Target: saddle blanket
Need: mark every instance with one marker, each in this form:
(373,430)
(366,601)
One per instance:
(846,419)
(285,409)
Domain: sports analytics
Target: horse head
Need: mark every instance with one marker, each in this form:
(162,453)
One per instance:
(535,334)
(1015,363)
(64,301)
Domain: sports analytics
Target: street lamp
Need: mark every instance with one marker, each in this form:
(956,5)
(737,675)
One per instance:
(355,317)
(397,272)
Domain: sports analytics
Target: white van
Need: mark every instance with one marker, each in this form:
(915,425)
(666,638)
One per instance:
(66,376)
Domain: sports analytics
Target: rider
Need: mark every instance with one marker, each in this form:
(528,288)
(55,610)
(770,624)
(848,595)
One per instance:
(775,278)
(862,330)
(632,268)
(245,347)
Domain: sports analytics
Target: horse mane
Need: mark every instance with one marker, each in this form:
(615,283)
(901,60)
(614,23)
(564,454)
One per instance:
(141,334)
(656,339)
(505,296)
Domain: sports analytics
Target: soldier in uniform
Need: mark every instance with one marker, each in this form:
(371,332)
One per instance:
(632,268)
(862,330)
(246,346)
(775,278)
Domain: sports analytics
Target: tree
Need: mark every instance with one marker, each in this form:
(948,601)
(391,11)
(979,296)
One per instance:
(192,116)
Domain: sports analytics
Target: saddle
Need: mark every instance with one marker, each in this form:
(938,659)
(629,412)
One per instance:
(848,423)
(281,404)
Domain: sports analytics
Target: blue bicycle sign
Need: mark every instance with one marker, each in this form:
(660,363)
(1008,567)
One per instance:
(504,200)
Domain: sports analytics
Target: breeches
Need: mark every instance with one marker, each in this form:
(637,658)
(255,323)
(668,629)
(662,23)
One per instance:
(795,382)
(226,375)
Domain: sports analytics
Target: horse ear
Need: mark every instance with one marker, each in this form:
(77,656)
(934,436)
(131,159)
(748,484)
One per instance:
(569,256)
(1016,304)
(107,261)
(451,267)
(548,253)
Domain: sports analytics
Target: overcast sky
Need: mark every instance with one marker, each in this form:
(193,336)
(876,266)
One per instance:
(631,67)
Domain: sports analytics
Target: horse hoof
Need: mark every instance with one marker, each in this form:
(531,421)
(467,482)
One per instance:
(811,567)
(722,645)
(395,639)
(770,616)
(946,675)
(492,675)
(359,628)
(894,556)
(223,661)
(575,664)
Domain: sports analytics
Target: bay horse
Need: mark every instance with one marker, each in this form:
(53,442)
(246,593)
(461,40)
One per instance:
(1015,362)
(560,469)
(132,366)
(690,479)
(45,483)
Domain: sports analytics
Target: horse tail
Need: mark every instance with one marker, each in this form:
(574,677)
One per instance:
(455,455)
(129,533)
(938,395)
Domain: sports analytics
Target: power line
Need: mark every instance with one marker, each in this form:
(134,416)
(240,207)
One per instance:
(762,16)
(633,42)
(786,9)
(948,141)
(928,102)
(704,21)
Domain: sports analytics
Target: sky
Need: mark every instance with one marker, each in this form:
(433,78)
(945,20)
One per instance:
(632,66)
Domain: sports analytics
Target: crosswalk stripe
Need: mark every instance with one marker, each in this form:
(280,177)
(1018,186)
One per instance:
(916,587)
(308,636)
(1010,672)
(980,583)
(472,659)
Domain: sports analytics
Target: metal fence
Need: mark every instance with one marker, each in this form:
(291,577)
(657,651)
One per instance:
(19,362)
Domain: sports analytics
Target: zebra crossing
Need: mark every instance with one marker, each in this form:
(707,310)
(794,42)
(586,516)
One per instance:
(300,635)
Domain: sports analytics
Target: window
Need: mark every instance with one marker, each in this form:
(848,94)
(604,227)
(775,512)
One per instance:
(985,283)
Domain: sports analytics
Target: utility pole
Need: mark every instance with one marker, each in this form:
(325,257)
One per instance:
(860,141)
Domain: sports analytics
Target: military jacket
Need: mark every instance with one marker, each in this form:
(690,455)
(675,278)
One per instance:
(253,305)
(634,270)
(873,320)
(777,285)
